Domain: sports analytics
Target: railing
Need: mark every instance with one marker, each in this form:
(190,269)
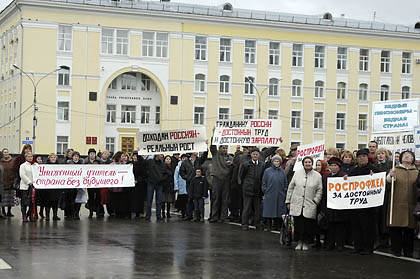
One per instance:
(243,14)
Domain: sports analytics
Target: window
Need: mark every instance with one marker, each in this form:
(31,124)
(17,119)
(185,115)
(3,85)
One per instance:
(128,114)
(161,44)
(198,115)
(296,88)
(113,84)
(64,38)
(319,57)
(342,58)
(157,115)
(224,84)
(318,120)
(200,48)
(273,114)
(274,57)
(128,82)
(110,144)
(340,146)
(111,113)
(319,89)
(405,92)
(248,113)
(362,122)
(145,114)
(341,91)
(385,61)
(250,49)
(406,63)
(63,111)
(64,76)
(249,85)
(363,90)
(225,50)
(107,41)
(273,87)
(148,43)
(200,82)
(145,83)
(223,113)
(341,121)
(297,55)
(122,42)
(384,93)
(296,115)
(364,60)
(62,144)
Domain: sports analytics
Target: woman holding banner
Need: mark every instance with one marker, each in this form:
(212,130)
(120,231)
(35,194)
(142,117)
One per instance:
(401,220)
(303,196)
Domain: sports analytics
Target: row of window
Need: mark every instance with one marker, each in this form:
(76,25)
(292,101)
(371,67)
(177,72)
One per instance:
(7,113)
(63,144)
(297,91)
(155,44)
(128,114)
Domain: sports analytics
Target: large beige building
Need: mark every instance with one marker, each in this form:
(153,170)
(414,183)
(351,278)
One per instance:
(128,66)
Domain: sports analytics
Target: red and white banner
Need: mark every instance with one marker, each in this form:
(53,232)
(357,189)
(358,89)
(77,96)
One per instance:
(82,176)
(255,132)
(173,141)
(356,192)
(314,150)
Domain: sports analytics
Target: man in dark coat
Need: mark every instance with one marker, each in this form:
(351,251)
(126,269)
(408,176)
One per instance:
(94,201)
(363,220)
(251,175)
(155,170)
(198,192)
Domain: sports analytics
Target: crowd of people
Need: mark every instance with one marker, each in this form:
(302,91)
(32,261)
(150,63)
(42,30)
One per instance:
(252,187)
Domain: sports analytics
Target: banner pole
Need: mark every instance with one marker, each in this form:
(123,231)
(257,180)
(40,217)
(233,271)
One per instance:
(392,187)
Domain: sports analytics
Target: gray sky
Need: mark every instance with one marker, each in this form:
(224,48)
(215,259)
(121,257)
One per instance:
(390,11)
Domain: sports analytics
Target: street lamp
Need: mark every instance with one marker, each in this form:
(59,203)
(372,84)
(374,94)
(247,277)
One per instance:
(35,84)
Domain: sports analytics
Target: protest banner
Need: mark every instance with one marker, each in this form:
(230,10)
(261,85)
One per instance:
(314,150)
(356,192)
(395,116)
(255,132)
(416,137)
(51,176)
(401,141)
(173,141)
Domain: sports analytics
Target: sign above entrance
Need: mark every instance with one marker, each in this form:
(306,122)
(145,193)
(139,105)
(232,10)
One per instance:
(173,141)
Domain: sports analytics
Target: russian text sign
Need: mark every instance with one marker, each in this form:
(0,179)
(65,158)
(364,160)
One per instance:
(401,141)
(395,116)
(314,150)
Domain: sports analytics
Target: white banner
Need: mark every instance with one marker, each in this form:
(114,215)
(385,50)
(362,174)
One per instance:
(356,192)
(314,150)
(416,137)
(55,176)
(402,141)
(394,116)
(254,132)
(173,141)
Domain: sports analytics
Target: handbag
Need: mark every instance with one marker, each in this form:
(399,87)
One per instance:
(321,220)
(287,230)
(16,184)
(416,211)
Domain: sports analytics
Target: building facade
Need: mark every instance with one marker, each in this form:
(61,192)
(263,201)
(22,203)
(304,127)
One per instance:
(129,66)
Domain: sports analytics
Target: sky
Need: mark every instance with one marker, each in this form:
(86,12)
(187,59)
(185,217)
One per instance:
(406,12)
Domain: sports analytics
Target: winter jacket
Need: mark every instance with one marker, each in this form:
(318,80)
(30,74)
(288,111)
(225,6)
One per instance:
(251,174)
(304,193)
(219,167)
(346,168)
(8,175)
(25,172)
(187,169)
(155,170)
(180,183)
(274,188)
(385,166)
(168,179)
(199,188)
(1,180)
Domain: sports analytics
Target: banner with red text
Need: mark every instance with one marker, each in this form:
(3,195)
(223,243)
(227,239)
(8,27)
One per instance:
(356,192)
(82,176)
(173,141)
(314,150)
(254,132)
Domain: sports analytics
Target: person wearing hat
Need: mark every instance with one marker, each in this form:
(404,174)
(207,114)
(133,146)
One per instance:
(94,195)
(291,162)
(274,189)
(363,220)
(335,218)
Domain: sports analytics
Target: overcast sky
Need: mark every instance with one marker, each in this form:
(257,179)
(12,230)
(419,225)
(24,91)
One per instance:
(405,12)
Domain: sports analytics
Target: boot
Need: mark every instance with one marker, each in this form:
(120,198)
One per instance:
(47,213)
(24,218)
(168,210)
(90,214)
(163,210)
(55,215)
(195,218)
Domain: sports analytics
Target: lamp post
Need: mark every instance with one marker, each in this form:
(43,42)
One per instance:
(35,84)
(258,93)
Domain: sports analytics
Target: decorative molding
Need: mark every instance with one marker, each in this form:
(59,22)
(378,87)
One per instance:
(39,24)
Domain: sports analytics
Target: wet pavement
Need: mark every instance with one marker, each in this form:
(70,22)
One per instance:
(135,248)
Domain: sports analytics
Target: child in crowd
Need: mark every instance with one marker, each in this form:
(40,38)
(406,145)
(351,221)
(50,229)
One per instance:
(198,192)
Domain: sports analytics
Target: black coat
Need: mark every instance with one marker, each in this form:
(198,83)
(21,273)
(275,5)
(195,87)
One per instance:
(333,215)
(187,169)
(199,188)
(346,168)
(156,171)
(168,178)
(251,177)
(382,167)
(365,170)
